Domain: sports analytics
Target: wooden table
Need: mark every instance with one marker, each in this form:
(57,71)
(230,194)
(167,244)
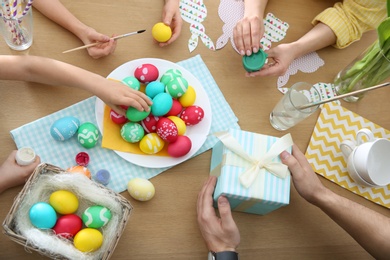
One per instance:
(166,227)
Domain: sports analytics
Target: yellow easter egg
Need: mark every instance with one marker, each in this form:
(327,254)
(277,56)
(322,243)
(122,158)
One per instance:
(141,189)
(151,143)
(161,32)
(64,202)
(181,126)
(88,240)
(188,98)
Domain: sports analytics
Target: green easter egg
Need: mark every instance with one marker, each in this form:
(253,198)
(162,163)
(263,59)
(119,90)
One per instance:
(132,82)
(177,87)
(170,75)
(132,132)
(135,115)
(88,135)
(96,216)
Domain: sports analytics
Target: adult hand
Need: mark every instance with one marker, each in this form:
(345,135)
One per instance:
(220,233)
(171,17)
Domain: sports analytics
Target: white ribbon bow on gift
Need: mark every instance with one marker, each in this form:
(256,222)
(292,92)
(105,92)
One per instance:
(257,164)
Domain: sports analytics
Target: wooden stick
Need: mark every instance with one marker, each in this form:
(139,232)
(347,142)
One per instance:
(343,96)
(96,43)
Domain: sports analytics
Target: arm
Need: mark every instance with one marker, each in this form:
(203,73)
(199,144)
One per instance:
(250,29)
(220,233)
(369,228)
(171,17)
(55,11)
(52,72)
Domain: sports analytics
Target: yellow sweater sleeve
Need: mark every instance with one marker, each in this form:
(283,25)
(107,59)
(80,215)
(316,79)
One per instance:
(350,19)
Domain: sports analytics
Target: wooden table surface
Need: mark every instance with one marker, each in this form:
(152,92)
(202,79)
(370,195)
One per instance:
(166,227)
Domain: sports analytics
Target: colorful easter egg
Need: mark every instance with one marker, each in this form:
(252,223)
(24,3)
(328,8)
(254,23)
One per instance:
(42,215)
(177,87)
(117,118)
(141,189)
(181,126)
(188,98)
(161,32)
(67,226)
(135,115)
(88,240)
(80,169)
(150,123)
(176,108)
(64,202)
(96,216)
(64,128)
(146,73)
(132,132)
(170,75)
(167,130)
(181,147)
(162,103)
(151,144)
(132,82)
(88,135)
(192,115)
(154,88)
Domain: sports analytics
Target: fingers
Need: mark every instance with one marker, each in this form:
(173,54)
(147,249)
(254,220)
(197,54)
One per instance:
(225,212)
(205,200)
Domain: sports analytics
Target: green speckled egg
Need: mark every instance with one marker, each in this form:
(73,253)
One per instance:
(177,87)
(96,216)
(132,132)
(132,82)
(88,135)
(135,115)
(170,75)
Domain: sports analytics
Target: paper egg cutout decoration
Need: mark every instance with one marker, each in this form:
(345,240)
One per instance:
(88,135)
(167,130)
(188,98)
(96,216)
(67,226)
(64,128)
(42,215)
(88,240)
(146,73)
(192,115)
(181,147)
(132,132)
(64,202)
(81,170)
(117,118)
(135,115)
(162,103)
(132,82)
(150,123)
(161,32)
(170,75)
(177,87)
(151,143)
(141,189)
(181,126)
(154,88)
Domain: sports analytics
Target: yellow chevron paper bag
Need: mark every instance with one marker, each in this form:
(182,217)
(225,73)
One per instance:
(334,125)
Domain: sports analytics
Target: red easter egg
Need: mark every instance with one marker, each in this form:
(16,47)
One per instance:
(181,147)
(176,108)
(146,73)
(117,118)
(192,115)
(67,226)
(150,123)
(167,130)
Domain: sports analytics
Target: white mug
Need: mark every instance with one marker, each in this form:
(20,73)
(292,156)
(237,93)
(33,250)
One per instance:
(347,146)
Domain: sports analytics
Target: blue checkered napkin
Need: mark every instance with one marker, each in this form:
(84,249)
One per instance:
(37,134)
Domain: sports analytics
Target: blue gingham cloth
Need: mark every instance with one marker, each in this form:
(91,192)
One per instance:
(37,134)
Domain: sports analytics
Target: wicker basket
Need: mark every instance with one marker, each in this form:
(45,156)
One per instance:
(10,223)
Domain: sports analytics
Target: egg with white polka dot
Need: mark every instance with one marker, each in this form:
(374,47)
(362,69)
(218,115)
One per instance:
(146,73)
(141,189)
(192,115)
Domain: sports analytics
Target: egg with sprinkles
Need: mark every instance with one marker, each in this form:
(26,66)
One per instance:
(96,216)
(192,115)
(177,87)
(146,73)
(132,132)
(88,135)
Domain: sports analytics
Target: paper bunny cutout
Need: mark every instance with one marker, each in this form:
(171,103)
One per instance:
(194,12)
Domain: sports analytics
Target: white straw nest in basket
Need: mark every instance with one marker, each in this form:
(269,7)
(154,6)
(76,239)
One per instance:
(89,194)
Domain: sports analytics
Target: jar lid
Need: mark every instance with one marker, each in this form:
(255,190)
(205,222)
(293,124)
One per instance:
(25,156)
(82,159)
(255,61)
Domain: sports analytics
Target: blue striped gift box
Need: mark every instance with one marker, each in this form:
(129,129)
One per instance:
(266,194)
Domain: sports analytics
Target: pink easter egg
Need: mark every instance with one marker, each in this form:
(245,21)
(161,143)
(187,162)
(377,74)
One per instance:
(175,109)
(181,147)
(150,123)
(192,115)
(167,130)
(146,73)
(117,118)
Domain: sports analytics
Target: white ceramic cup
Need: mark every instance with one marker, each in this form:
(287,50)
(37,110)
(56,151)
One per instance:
(354,174)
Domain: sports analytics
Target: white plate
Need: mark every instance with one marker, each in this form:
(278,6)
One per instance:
(197,133)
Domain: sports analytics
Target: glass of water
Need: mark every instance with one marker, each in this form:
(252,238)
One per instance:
(287,112)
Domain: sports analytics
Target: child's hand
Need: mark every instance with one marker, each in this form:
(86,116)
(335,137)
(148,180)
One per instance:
(106,47)
(247,35)
(171,17)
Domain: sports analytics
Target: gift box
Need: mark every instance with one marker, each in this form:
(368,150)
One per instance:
(249,170)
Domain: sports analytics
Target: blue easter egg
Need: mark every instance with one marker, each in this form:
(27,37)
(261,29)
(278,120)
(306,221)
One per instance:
(64,128)
(42,215)
(154,88)
(162,103)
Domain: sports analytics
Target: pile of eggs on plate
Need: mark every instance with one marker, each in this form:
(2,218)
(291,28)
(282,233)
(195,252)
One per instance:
(59,215)
(173,110)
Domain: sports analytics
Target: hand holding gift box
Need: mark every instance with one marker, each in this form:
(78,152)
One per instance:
(250,173)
